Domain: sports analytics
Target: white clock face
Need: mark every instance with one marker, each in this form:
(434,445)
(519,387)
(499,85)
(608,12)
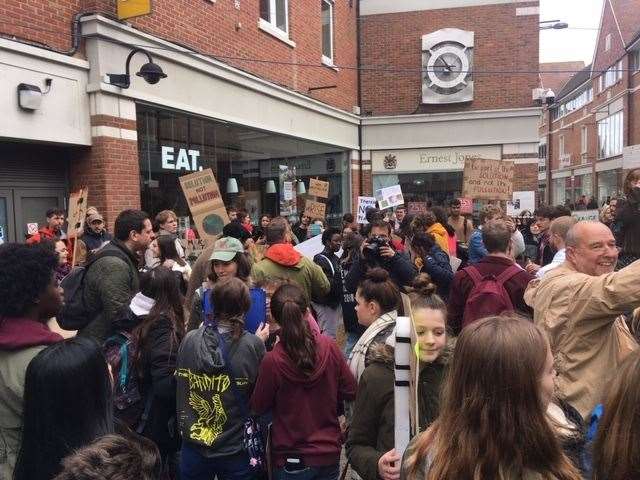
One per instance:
(448,67)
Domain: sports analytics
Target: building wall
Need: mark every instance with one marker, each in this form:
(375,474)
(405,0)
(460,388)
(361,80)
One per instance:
(222,30)
(505,41)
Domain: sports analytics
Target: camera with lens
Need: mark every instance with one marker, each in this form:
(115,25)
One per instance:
(372,246)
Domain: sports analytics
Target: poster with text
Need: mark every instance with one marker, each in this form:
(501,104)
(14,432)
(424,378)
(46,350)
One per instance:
(520,202)
(416,208)
(488,179)
(318,188)
(314,210)
(363,204)
(77,212)
(288,199)
(466,206)
(205,203)
(389,197)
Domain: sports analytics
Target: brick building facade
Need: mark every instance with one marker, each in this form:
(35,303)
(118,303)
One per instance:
(590,132)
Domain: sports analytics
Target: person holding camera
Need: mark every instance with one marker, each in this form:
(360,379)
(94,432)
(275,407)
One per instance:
(377,251)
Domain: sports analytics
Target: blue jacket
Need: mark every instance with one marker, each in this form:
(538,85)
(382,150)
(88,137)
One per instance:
(438,267)
(256,315)
(476,247)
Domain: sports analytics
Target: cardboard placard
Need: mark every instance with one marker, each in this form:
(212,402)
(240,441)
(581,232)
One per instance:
(416,208)
(520,202)
(586,215)
(389,197)
(466,206)
(363,204)
(205,203)
(318,188)
(77,212)
(488,179)
(314,209)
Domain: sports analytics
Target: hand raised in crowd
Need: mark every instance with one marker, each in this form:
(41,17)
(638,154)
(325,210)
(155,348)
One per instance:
(262,332)
(389,466)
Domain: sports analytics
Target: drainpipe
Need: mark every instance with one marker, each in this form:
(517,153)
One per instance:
(549,154)
(359,95)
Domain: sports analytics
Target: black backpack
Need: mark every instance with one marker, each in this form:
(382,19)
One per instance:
(75,313)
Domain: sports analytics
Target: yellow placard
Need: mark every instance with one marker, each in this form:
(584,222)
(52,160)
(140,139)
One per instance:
(133,8)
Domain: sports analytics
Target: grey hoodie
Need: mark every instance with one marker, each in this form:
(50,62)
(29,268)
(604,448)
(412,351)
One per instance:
(209,415)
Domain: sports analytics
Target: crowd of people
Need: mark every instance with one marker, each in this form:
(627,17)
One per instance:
(128,360)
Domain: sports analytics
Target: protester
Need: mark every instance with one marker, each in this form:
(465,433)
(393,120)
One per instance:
(376,251)
(378,299)
(615,451)
(260,231)
(300,228)
(492,412)
(284,262)
(430,259)
(399,214)
(461,224)
(29,297)
(371,433)
(494,285)
(557,237)
(58,248)
(428,223)
(113,457)
(609,215)
(544,215)
(155,320)
(452,240)
(216,371)
(53,229)
(167,223)
(244,220)
(349,221)
(232,213)
(112,280)
(306,370)
(67,405)
(477,250)
(578,304)
(229,260)
(164,249)
(95,235)
(329,311)
(629,221)
(353,330)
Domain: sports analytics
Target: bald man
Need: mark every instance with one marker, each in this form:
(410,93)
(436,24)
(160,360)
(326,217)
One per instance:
(579,305)
(557,239)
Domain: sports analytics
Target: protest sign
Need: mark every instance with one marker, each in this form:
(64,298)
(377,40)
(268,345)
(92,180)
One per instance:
(389,197)
(32,228)
(488,179)
(416,208)
(466,206)
(205,203)
(77,212)
(288,198)
(586,215)
(363,204)
(318,188)
(314,209)
(520,202)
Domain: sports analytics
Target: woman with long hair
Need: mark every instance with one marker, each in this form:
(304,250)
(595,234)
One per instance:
(229,259)
(216,371)
(377,302)
(164,248)
(371,433)
(492,423)
(616,451)
(306,370)
(156,322)
(429,258)
(67,405)
(441,216)
(59,248)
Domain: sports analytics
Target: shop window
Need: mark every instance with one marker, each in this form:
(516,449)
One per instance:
(276,12)
(608,185)
(327,31)
(610,132)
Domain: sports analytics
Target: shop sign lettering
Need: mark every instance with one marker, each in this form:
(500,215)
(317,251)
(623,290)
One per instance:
(186,160)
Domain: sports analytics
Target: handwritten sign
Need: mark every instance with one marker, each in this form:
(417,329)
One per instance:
(314,209)
(466,206)
(389,197)
(318,188)
(205,203)
(416,208)
(77,211)
(363,204)
(488,179)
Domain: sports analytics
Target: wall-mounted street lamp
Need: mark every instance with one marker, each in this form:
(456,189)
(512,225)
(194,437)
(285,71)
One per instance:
(553,25)
(151,72)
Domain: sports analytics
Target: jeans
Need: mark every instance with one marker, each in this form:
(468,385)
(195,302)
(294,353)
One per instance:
(351,340)
(194,466)
(330,472)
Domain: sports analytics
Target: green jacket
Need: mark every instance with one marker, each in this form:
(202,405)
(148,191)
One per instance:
(371,432)
(282,262)
(111,282)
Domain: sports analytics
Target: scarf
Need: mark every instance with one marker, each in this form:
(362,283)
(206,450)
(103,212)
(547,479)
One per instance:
(358,357)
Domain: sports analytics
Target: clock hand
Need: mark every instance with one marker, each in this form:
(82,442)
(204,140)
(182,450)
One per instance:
(448,67)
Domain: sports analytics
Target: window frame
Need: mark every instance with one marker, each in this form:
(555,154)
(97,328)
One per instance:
(270,25)
(611,135)
(584,139)
(328,60)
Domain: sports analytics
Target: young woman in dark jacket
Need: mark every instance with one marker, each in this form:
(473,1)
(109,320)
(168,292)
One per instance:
(429,258)
(156,311)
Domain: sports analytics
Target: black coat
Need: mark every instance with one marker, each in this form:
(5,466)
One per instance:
(400,268)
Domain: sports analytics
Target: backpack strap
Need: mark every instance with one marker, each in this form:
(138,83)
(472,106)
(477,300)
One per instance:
(510,272)
(474,274)
(333,270)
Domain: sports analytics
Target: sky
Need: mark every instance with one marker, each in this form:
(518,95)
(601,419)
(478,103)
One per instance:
(576,42)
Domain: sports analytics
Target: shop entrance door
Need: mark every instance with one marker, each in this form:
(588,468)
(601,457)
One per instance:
(21,206)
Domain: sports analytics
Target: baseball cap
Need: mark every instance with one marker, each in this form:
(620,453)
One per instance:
(226,248)
(94,217)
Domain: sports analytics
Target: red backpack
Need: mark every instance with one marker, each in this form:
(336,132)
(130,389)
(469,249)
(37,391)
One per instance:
(488,296)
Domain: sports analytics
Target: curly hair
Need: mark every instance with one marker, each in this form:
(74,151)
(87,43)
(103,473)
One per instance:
(26,273)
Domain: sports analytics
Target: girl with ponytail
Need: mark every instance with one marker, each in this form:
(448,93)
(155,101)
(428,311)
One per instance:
(371,434)
(305,370)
